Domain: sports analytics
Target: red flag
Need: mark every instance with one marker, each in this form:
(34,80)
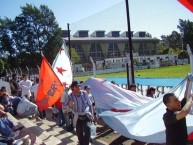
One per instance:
(187,3)
(50,88)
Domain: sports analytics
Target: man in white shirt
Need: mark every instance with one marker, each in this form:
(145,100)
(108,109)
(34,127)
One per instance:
(34,90)
(25,86)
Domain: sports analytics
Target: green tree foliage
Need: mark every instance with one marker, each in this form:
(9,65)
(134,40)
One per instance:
(186,29)
(34,31)
(1,66)
(7,45)
(74,55)
(183,54)
(177,41)
(171,41)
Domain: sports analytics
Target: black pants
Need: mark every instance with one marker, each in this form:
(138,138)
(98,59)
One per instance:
(83,131)
(42,114)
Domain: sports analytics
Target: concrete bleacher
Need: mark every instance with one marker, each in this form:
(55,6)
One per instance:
(47,132)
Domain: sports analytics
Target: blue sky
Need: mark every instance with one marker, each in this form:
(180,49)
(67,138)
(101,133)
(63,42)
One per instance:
(158,17)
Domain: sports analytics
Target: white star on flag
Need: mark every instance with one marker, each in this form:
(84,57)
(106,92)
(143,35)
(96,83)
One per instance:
(62,66)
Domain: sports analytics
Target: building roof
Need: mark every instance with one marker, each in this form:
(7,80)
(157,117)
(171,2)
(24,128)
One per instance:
(111,38)
(95,33)
(99,35)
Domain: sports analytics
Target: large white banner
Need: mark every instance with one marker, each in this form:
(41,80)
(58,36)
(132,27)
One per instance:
(144,122)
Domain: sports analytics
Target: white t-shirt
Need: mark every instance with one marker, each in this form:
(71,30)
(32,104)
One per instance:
(25,87)
(34,89)
(24,105)
(91,97)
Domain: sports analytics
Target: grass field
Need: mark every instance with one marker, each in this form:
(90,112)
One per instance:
(179,71)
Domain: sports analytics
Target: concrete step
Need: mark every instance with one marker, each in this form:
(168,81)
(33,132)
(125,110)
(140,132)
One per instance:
(35,140)
(58,132)
(50,126)
(12,118)
(45,136)
(62,134)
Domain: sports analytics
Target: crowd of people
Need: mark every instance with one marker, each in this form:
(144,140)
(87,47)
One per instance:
(74,111)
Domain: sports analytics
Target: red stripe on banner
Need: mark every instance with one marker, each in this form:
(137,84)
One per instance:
(188,4)
(120,110)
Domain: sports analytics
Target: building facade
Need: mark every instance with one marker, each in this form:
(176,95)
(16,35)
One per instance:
(101,46)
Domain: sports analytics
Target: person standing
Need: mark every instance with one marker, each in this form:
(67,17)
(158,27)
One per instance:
(87,90)
(82,105)
(13,83)
(151,92)
(175,118)
(25,84)
(34,90)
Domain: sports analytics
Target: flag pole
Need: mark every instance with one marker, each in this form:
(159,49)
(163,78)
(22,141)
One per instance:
(69,44)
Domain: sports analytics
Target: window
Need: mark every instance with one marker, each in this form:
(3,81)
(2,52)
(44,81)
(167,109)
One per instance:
(83,34)
(126,49)
(143,50)
(113,50)
(115,34)
(100,34)
(96,51)
(79,50)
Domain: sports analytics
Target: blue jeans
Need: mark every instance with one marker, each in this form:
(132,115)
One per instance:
(15,101)
(6,127)
(61,120)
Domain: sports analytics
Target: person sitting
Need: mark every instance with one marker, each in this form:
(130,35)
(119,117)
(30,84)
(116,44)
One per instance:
(7,128)
(7,103)
(9,132)
(10,141)
(28,109)
(2,91)
(15,99)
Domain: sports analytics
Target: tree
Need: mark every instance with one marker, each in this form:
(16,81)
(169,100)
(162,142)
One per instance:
(31,33)
(183,55)
(75,56)
(7,44)
(39,30)
(171,41)
(186,29)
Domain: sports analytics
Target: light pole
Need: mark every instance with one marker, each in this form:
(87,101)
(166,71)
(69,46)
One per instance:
(130,46)
(182,43)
